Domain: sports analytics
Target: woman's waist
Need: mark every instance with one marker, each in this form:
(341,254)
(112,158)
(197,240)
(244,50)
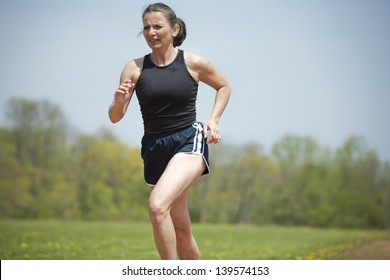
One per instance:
(169,125)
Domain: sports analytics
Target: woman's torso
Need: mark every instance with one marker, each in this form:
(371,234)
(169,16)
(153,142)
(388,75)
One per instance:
(167,95)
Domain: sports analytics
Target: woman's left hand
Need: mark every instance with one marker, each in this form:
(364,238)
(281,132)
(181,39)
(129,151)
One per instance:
(215,134)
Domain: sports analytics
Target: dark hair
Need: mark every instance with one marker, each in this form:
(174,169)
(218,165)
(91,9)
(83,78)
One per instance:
(172,19)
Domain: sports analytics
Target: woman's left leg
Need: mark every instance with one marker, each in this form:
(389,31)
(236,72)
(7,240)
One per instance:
(187,249)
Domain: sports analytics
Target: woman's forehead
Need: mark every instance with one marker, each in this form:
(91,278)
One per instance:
(154,17)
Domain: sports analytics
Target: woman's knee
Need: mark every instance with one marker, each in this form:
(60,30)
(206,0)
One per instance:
(183,233)
(157,212)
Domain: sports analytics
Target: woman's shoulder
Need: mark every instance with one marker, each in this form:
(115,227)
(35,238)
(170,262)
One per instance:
(191,57)
(195,61)
(132,69)
(136,63)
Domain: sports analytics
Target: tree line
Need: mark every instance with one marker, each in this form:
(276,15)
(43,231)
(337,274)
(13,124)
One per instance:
(47,174)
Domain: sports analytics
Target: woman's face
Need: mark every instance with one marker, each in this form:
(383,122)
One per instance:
(157,30)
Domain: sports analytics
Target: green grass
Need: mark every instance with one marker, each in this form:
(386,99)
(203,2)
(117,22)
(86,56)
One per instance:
(55,240)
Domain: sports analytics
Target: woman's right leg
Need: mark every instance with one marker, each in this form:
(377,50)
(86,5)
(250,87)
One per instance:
(181,172)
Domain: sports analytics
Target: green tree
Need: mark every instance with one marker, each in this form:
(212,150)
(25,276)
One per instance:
(38,135)
(297,193)
(15,197)
(39,131)
(359,201)
(109,180)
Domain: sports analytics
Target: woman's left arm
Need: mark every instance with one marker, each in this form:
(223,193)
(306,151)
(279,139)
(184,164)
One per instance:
(209,75)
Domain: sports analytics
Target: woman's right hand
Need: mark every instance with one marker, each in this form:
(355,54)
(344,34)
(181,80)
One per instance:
(124,92)
(121,101)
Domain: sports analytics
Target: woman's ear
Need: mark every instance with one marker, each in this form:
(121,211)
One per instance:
(176,29)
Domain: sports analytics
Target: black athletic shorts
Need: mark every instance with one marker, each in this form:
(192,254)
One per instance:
(158,149)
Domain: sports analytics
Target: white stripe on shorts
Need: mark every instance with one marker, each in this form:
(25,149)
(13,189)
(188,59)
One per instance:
(198,147)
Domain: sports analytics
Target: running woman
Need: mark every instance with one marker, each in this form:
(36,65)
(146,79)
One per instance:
(175,145)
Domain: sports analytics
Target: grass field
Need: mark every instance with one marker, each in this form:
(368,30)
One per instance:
(55,240)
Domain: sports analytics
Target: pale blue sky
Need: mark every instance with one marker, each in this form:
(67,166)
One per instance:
(309,68)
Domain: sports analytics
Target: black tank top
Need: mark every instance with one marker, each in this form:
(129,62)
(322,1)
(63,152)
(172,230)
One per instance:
(167,95)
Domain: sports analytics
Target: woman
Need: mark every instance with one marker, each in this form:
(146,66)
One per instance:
(174,146)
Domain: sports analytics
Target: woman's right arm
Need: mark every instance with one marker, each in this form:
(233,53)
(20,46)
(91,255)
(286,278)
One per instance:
(123,94)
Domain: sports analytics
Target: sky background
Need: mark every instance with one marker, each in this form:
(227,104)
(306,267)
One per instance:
(309,68)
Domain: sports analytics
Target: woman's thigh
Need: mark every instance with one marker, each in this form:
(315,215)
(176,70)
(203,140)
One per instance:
(182,170)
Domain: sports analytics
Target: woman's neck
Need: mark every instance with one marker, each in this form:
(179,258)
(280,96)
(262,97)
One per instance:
(164,58)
